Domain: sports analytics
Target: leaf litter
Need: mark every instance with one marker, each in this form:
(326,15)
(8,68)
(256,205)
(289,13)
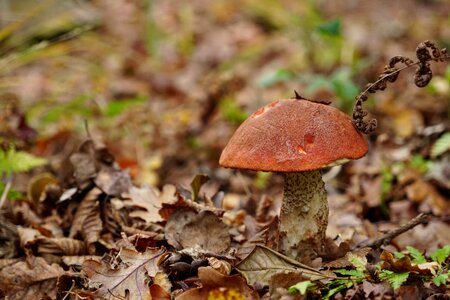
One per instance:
(68,232)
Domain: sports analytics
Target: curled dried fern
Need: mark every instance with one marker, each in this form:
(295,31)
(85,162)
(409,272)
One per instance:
(425,52)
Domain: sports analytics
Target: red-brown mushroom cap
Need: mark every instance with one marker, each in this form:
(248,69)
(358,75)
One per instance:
(293,136)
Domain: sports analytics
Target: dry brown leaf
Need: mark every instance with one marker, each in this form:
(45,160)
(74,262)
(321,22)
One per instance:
(158,293)
(113,181)
(180,202)
(344,261)
(78,259)
(147,198)
(187,229)
(217,284)
(432,236)
(376,290)
(8,239)
(284,280)
(404,264)
(32,238)
(87,220)
(37,186)
(130,277)
(60,246)
(30,279)
(262,263)
(27,236)
(220,265)
(84,162)
(4,262)
(162,280)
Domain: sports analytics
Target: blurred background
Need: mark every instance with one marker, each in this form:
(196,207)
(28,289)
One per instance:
(164,84)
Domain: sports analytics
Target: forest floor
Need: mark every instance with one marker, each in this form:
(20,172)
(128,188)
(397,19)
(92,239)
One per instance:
(113,116)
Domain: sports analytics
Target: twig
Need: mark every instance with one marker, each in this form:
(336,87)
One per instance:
(390,235)
(6,190)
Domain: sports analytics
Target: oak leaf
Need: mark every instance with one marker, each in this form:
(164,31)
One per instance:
(130,278)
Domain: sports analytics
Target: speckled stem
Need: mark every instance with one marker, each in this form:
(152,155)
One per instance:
(304,215)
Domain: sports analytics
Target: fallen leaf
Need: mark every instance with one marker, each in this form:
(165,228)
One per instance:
(37,186)
(179,200)
(42,245)
(284,280)
(147,198)
(188,229)
(30,279)
(9,245)
(440,171)
(262,263)
(60,246)
(84,162)
(196,185)
(375,291)
(113,181)
(158,293)
(220,265)
(404,264)
(131,277)
(431,236)
(344,262)
(87,220)
(218,286)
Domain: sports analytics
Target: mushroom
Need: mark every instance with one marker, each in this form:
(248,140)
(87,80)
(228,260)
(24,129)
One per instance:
(297,137)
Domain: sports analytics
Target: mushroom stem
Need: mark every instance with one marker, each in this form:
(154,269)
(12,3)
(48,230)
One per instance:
(304,215)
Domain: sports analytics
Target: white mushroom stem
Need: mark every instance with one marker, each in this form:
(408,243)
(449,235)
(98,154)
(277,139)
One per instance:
(304,215)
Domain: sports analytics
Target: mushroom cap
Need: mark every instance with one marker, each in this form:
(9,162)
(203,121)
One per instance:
(292,136)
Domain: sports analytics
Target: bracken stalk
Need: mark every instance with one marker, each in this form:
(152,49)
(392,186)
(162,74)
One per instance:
(425,52)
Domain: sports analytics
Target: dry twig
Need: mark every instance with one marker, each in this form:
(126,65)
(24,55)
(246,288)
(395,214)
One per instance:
(426,51)
(390,235)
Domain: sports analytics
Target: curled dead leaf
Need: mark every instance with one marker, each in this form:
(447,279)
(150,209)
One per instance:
(38,184)
(180,202)
(404,264)
(32,239)
(87,220)
(220,265)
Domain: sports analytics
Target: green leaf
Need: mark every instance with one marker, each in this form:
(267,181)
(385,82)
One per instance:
(231,111)
(358,274)
(340,285)
(343,85)
(441,146)
(116,107)
(398,255)
(440,255)
(274,77)
(12,193)
(358,262)
(440,279)
(331,28)
(394,279)
(12,161)
(419,163)
(417,256)
(261,179)
(301,287)
(76,106)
